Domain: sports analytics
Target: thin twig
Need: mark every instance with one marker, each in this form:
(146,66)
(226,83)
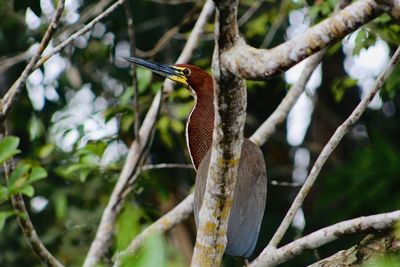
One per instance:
(326,152)
(190,167)
(12,93)
(25,222)
(173,2)
(249,12)
(131,34)
(89,12)
(168,35)
(79,33)
(275,26)
(8,62)
(284,184)
(137,151)
(167,166)
(28,229)
(264,132)
(327,235)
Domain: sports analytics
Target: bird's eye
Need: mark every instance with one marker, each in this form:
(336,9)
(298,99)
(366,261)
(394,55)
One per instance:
(186,72)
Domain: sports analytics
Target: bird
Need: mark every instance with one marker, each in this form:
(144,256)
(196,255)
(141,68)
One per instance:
(250,192)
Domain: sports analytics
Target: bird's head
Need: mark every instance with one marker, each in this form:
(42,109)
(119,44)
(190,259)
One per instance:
(196,79)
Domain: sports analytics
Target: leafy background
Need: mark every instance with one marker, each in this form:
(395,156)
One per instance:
(73,124)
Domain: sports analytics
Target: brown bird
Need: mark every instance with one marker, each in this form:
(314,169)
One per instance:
(251,184)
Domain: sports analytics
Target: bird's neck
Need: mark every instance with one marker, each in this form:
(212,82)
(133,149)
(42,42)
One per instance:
(199,128)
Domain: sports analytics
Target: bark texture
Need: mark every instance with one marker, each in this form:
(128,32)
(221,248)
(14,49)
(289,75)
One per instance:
(230,114)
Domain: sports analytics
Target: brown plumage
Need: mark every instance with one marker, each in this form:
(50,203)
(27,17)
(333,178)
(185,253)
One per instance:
(251,184)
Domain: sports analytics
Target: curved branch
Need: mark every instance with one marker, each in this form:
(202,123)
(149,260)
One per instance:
(326,152)
(258,64)
(327,235)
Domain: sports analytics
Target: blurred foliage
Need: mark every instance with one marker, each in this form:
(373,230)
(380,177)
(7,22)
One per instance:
(72,127)
(386,261)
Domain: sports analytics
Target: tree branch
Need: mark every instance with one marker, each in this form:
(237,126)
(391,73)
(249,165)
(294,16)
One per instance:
(12,94)
(371,246)
(136,153)
(282,14)
(168,35)
(230,113)
(25,223)
(268,128)
(79,33)
(131,34)
(327,235)
(326,152)
(258,64)
(30,234)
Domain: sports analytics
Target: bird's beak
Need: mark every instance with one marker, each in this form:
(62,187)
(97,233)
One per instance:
(174,73)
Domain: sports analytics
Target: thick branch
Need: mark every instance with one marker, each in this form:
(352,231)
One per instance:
(257,64)
(327,235)
(230,114)
(373,245)
(136,154)
(326,152)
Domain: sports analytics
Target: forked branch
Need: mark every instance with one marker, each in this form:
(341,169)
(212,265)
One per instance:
(322,158)
(329,234)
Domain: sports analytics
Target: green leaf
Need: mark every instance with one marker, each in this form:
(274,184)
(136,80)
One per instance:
(19,175)
(177,126)
(8,147)
(35,128)
(96,148)
(27,190)
(163,125)
(46,150)
(340,87)
(60,206)
(144,78)
(37,173)
(4,215)
(364,39)
(126,121)
(3,194)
